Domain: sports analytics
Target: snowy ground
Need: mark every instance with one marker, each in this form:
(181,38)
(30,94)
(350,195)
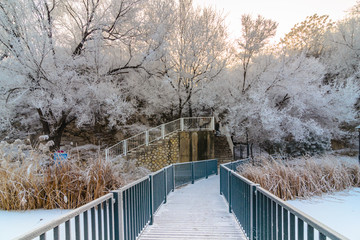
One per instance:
(15,223)
(340,211)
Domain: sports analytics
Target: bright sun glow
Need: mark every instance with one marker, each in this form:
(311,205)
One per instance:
(286,12)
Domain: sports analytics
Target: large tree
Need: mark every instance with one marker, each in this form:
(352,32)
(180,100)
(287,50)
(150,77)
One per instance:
(288,104)
(343,54)
(255,33)
(65,61)
(309,35)
(195,52)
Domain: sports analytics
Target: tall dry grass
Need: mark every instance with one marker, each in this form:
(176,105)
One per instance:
(303,177)
(57,186)
(32,180)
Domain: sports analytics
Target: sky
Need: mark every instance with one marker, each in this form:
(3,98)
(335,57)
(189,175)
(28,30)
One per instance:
(285,12)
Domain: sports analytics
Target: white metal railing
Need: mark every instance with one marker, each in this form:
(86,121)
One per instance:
(225,130)
(160,132)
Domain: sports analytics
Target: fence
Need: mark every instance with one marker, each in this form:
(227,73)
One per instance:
(160,132)
(263,215)
(241,151)
(124,213)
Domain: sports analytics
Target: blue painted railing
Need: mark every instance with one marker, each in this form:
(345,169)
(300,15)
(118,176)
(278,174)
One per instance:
(262,215)
(124,213)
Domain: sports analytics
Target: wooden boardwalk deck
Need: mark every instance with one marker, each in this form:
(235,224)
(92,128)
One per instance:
(195,211)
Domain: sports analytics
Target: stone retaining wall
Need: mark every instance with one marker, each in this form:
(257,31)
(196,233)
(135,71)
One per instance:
(159,155)
(178,147)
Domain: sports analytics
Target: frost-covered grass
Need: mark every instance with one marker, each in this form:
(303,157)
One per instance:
(29,179)
(303,177)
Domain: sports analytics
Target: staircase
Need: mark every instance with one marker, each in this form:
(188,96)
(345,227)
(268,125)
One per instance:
(157,133)
(222,150)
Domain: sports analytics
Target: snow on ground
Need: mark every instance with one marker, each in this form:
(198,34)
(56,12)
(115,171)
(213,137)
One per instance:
(339,211)
(16,223)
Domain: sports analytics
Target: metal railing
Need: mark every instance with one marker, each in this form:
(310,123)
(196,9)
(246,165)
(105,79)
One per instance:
(93,219)
(262,215)
(225,131)
(124,213)
(160,132)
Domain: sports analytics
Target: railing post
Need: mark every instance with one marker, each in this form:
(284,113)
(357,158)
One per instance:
(192,173)
(216,171)
(162,131)
(182,124)
(253,212)
(147,138)
(221,181)
(151,200)
(173,171)
(165,185)
(107,154)
(229,190)
(125,147)
(206,170)
(118,216)
(212,127)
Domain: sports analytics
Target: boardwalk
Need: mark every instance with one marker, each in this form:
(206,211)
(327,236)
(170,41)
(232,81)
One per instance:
(196,211)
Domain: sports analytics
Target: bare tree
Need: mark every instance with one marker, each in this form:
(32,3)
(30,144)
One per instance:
(255,34)
(309,35)
(197,51)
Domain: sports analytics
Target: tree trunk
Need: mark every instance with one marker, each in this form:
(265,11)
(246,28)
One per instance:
(44,123)
(55,131)
(244,81)
(56,136)
(180,107)
(190,108)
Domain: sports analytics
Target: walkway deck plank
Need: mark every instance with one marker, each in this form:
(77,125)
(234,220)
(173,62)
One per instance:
(196,211)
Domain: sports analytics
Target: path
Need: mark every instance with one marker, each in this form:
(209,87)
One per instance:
(196,211)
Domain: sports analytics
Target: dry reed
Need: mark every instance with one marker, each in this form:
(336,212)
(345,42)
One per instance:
(304,177)
(31,182)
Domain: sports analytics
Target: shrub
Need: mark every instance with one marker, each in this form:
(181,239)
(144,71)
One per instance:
(303,177)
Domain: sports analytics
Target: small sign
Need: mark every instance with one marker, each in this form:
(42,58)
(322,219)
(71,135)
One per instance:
(60,156)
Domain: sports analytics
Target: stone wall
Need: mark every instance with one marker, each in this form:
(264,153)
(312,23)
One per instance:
(158,155)
(196,146)
(178,147)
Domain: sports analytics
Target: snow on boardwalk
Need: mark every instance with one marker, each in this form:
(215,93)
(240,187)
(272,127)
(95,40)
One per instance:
(196,211)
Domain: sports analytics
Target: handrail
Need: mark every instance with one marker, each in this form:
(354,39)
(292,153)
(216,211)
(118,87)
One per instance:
(123,147)
(303,216)
(131,184)
(124,213)
(261,214)
(225,130)
(62,219)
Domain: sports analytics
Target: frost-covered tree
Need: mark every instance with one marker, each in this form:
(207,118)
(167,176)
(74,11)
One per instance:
(309,35)
(343,56)
(65,61)
(194,53)
(255,33)
(288,104)
(153,92)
